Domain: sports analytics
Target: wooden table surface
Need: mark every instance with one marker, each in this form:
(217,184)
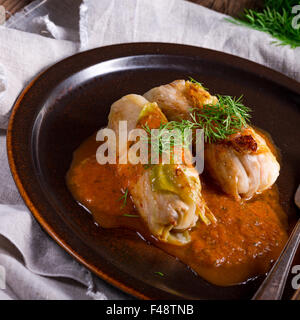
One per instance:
(13,6)
(231,7)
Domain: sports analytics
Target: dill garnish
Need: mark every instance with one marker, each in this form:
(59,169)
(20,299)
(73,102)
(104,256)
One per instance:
(222,119)
(218,121)
(159,273)
(124,198)
(163,142)
(276,18)
(130,215)
(192,80)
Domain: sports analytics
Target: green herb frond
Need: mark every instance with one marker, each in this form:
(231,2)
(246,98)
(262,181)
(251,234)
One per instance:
(276,18)
(218,121)
(163,142)
(124,199)
(130,215)
(226,117)
(198,83)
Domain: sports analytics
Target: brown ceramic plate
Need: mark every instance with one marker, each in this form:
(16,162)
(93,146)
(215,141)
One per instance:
(71,100)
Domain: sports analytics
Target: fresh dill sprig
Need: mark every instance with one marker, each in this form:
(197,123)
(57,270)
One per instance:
(130,215)
(124,198)
(276,18)
(226,117)
(222,119)
(192,80)
(163,142)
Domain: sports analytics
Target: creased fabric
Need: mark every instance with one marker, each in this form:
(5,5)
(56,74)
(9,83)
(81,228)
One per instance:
(112,21)
(22,56)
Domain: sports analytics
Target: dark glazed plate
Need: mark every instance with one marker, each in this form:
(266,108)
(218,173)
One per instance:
(71,100)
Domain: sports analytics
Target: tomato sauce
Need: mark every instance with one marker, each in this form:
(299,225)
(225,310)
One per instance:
(247,238)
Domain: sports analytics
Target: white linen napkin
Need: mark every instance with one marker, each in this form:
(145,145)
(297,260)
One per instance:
(111,21)
(22,56)
(37,268)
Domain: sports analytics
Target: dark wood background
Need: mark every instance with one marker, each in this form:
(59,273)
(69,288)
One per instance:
(231,7)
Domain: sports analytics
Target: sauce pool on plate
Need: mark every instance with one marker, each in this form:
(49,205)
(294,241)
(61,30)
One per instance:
(244,243)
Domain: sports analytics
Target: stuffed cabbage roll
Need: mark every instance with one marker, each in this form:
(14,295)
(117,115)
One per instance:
(167,196)
(242,164)
(178,97)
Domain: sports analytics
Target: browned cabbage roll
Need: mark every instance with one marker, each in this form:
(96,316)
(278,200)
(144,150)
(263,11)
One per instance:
(242,164)
(167,196)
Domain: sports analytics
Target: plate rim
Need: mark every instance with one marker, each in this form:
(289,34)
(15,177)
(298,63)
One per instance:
(138,48)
